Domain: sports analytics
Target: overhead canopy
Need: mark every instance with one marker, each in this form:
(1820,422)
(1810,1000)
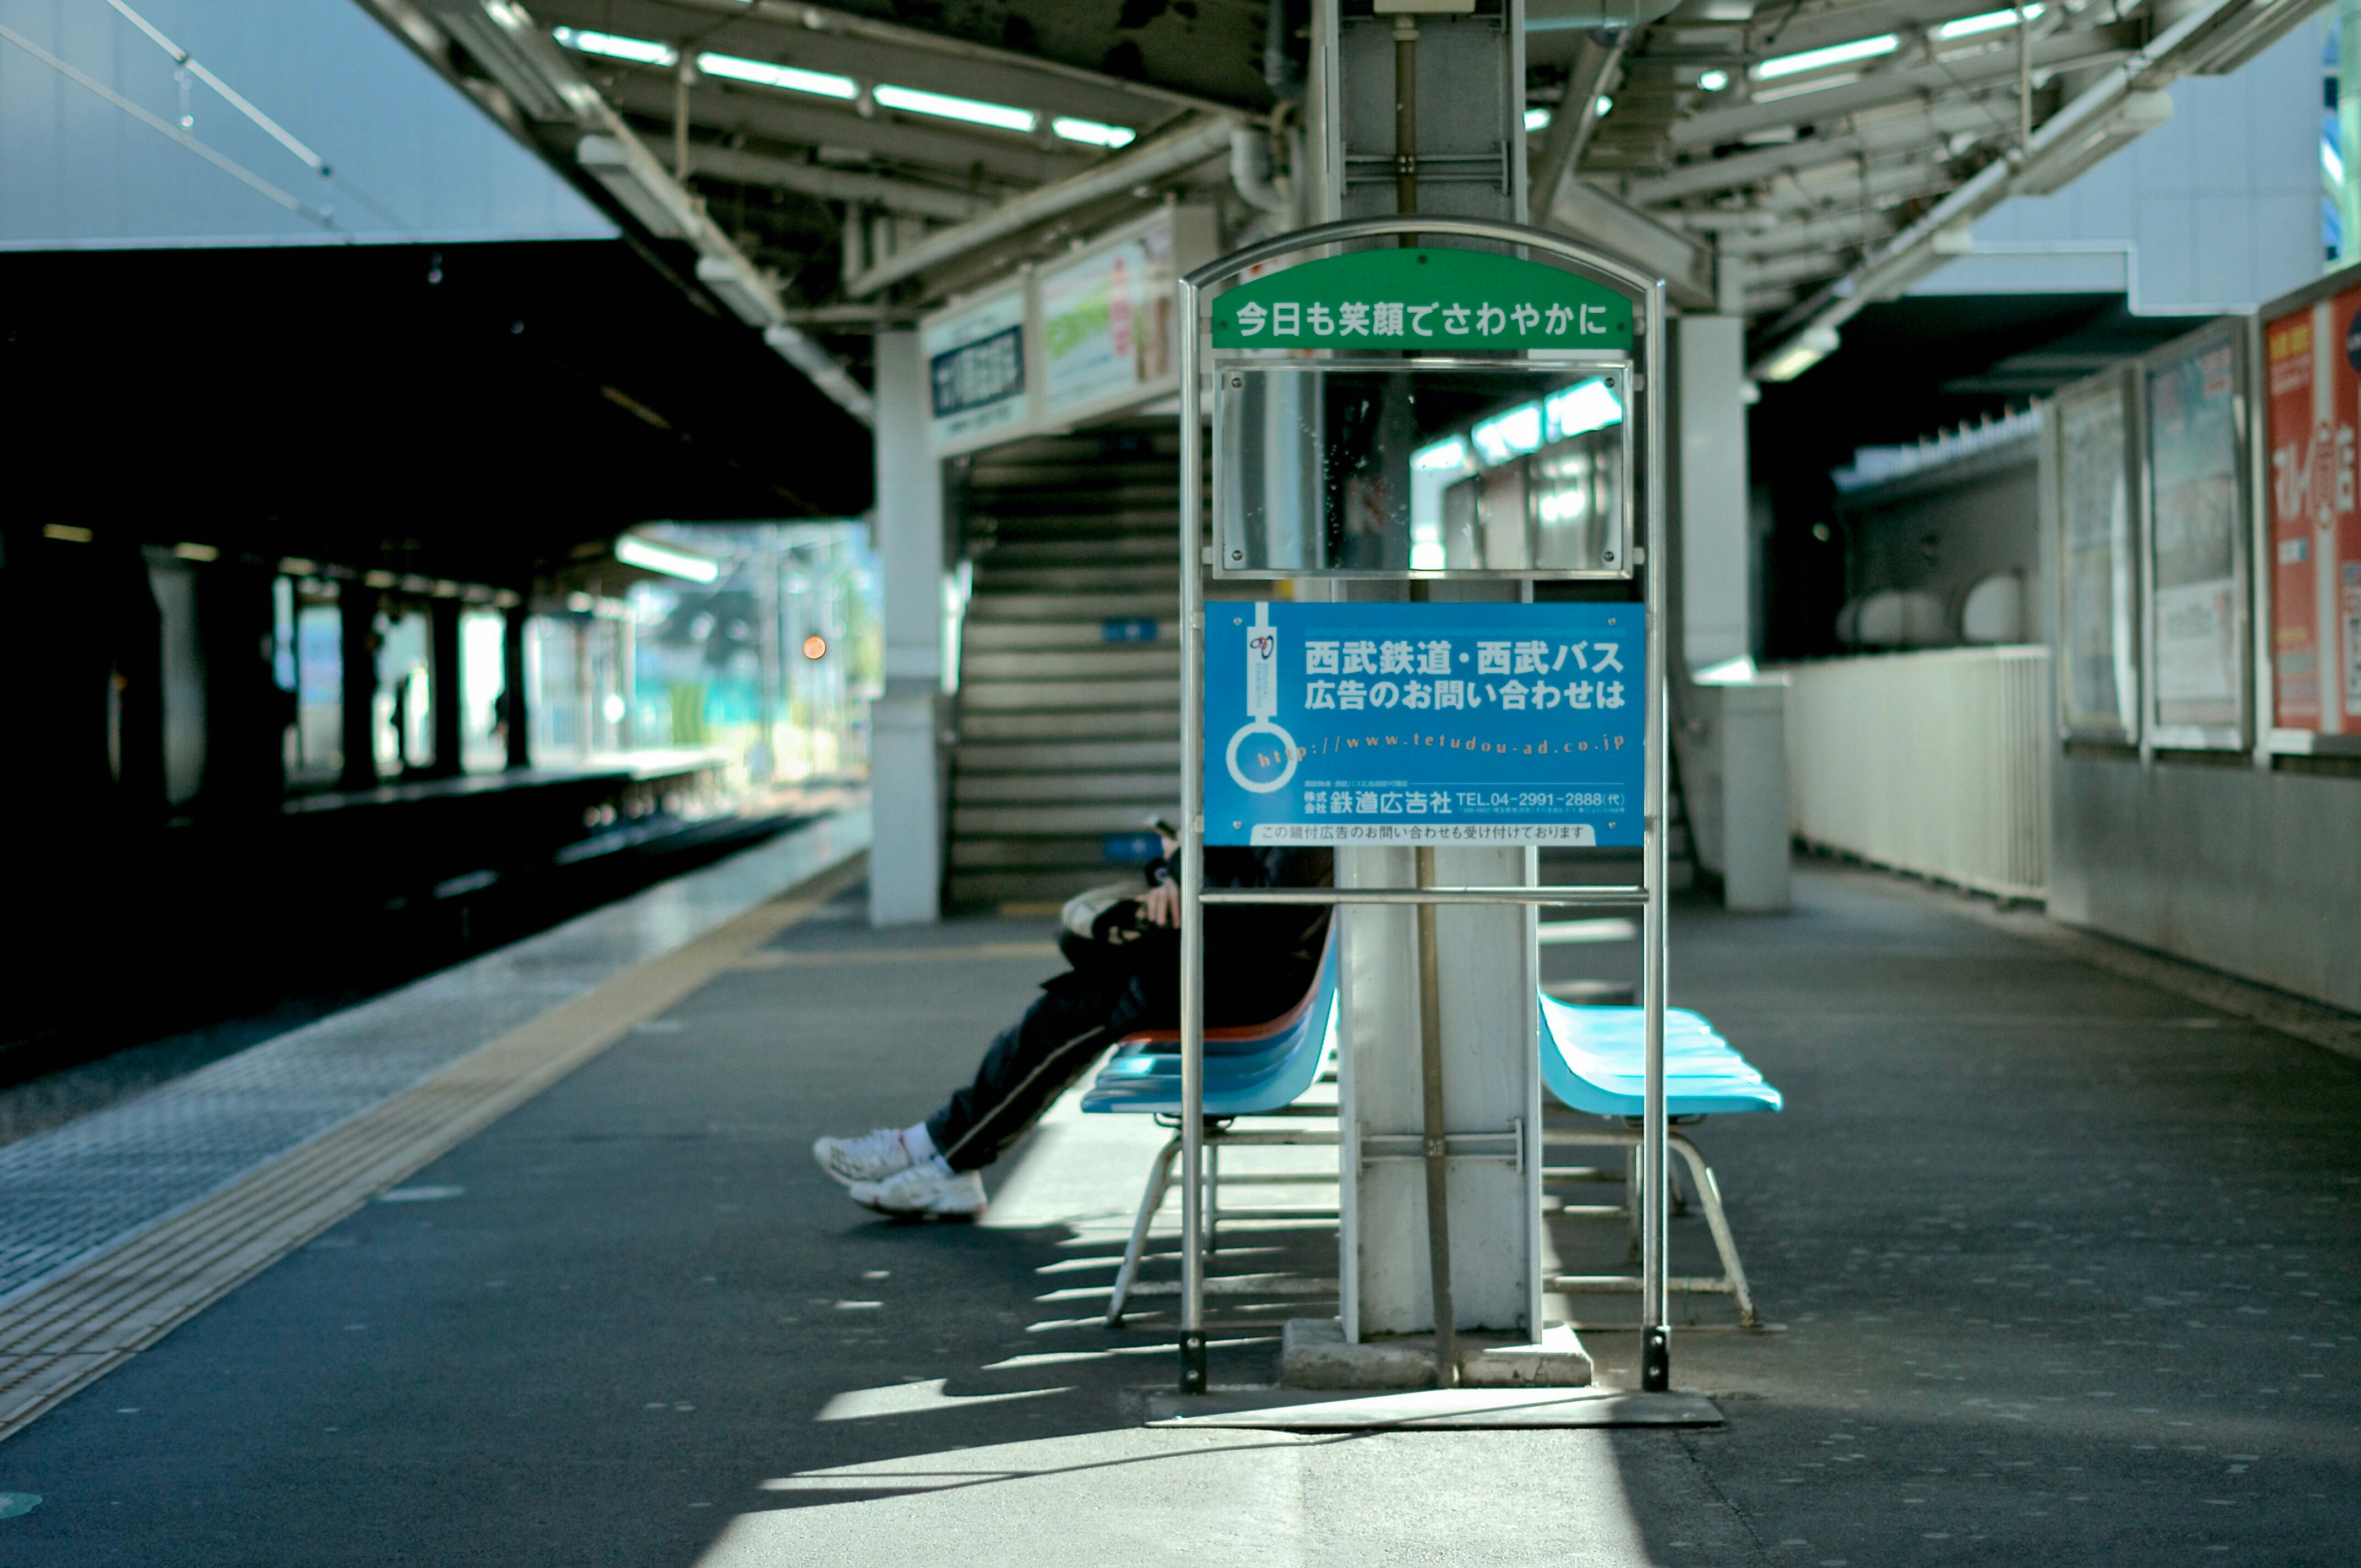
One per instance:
(491,409)
(1792,162)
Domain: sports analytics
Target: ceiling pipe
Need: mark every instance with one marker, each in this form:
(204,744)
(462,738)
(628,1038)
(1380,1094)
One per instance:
(1115,176)
(1250,171)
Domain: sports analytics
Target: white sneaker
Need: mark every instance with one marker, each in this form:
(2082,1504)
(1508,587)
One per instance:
(872,1156)
(926,1191)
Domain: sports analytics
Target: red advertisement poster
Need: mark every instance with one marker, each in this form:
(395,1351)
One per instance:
(2314,568)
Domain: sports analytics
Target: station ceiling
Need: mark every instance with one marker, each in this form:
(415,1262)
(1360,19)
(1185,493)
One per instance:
(1803,152)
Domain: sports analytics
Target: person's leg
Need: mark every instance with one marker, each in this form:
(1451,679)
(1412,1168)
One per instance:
(1029,1065)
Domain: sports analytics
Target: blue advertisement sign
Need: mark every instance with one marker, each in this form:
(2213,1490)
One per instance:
(1424,723)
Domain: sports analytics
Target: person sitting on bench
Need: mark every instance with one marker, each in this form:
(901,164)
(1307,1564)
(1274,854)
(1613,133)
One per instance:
(1126,976)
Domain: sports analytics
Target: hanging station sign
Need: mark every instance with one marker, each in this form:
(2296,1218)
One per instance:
(1086,338)
(976,384)
(1429,300)
(1381,723)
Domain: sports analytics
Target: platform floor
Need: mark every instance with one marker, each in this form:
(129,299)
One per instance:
(2066,1265)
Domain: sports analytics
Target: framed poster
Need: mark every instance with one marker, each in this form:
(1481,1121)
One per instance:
(2098,675)
(2312,391)
(1424,723)
(2196,621)
(1107,322)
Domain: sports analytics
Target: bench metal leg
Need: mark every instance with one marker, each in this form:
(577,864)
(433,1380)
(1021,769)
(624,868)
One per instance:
(1213,1198)
(1159,1178)
(1710,1192)
(1631,1205)
(1733,1280)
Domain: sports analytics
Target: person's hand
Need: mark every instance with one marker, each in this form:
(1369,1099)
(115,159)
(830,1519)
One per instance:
(1160,905)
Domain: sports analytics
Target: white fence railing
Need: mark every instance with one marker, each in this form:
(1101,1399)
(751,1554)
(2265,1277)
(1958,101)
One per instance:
(1935,763)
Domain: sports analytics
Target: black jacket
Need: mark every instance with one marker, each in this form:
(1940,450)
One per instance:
(1259,959)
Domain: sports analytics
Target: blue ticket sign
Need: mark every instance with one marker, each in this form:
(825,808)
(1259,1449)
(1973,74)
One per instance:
(1424,723)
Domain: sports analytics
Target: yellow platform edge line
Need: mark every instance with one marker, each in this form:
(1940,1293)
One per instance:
(61,1333)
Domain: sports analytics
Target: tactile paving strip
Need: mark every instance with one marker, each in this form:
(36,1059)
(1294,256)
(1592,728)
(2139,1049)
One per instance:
(123,1224)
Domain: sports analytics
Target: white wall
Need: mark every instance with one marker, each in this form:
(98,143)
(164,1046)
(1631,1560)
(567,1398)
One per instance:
(2218,209)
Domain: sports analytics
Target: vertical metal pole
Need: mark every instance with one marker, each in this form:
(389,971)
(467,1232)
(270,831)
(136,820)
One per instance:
(1192,867)
(2023,82)
(1438,1147)
(1655,1351)
(1406,121)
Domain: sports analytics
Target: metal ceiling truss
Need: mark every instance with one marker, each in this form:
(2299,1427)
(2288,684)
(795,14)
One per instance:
(1713,145)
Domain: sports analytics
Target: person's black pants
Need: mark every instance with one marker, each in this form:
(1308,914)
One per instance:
(1078,1017)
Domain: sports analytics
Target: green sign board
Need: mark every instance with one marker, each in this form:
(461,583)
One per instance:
(1456,300)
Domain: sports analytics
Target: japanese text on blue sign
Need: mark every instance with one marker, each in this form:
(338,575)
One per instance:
(1423,723)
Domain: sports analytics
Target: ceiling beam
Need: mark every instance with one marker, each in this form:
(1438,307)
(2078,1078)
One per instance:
(1899,127)
(2058,51)
(811,122)
(1846,22)
(1685,263)
(2126,95)
(751,32)
(836,184)
(1166,156)
(1576,118)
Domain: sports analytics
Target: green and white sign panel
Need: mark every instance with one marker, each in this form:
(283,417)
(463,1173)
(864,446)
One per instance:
(1425,299)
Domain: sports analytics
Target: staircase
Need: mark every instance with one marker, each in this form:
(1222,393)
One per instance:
(1068,716)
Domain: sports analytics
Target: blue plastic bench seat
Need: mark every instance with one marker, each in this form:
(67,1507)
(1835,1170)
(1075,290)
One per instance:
(1250,1071)
(1594,1060)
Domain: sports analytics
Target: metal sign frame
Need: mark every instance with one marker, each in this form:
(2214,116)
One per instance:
(1646,294)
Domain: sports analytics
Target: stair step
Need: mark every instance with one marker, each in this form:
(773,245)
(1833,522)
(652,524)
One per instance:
(1056,821)
(1037,697)
(1088,493)
(1066,789)
(1072,607)
(996,636)
(1146,577)
(1051,886)
(1043,757)
(1086,852)
(1109,661)
(1081,724)
(1036,477)
(1162,547)
(1143,578)
(1075,520)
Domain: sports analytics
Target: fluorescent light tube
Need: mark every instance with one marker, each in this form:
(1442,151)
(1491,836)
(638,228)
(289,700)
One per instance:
(615,45)
(1093,133)
(1780,65)
(1001,117)
(788,78)
(1983,22)
(632,550)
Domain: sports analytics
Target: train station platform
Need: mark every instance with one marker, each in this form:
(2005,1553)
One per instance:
(528,1262)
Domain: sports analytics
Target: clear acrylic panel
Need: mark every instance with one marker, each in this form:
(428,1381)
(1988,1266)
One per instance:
(1322,470)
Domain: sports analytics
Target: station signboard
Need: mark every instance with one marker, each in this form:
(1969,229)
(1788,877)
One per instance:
(1468,723)
(977,388)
